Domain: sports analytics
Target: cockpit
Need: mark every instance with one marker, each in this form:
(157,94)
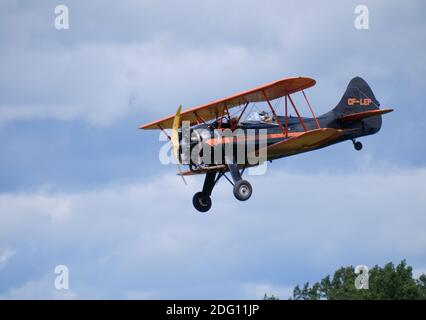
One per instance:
(259,117)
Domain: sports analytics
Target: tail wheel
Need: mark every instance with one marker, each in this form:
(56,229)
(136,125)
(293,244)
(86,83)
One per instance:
(202,202)
(242,190)
(358,146)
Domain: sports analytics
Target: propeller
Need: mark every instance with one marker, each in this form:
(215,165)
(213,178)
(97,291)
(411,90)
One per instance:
(175,139)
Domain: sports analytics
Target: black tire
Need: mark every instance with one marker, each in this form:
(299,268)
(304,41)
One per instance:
(358,146)
(243,190)
(202,202)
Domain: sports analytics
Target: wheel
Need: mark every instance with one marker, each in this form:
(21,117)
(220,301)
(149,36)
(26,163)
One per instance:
(357,145)
(202,202)
(242,190)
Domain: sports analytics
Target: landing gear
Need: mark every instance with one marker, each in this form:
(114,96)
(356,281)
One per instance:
(242,188)
(202,202)
(357,145)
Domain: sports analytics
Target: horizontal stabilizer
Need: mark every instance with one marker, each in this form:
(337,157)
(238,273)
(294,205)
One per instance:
(364,114)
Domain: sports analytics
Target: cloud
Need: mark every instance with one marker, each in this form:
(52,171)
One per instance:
(417,272)
(5,256)
(146,240)
(79,91)
(103,83)
(99,72)
(39,289)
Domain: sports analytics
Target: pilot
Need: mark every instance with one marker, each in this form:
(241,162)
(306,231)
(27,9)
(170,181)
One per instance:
(265,117)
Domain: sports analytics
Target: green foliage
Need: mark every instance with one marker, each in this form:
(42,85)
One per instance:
(389,282)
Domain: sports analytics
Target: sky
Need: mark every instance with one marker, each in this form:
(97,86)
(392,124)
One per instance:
(81,186)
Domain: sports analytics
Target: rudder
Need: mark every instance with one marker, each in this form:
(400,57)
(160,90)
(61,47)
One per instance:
(358,97)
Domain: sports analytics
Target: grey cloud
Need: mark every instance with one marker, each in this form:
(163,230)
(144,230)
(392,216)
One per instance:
(122,240)
(151,56)
(141,59)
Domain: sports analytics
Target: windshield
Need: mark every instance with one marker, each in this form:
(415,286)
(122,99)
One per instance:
(261,116)
(253,116)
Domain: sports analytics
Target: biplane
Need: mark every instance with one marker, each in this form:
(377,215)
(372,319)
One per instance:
(357,114)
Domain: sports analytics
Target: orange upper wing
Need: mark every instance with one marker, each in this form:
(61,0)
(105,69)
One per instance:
(215,109)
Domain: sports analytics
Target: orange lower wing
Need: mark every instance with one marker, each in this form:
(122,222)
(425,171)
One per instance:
(307,140)
(302,142)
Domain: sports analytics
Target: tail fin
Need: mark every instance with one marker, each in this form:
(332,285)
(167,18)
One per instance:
(358,98)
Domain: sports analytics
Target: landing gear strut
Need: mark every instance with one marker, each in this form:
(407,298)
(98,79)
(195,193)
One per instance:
(201,200)
(242,188)
(357,145)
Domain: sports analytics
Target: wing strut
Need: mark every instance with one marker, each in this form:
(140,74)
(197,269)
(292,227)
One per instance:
(298,114)
(164,131)
(273,111)
(312,111)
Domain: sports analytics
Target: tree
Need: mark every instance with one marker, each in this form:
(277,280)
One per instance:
(272,297)
(389,282)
